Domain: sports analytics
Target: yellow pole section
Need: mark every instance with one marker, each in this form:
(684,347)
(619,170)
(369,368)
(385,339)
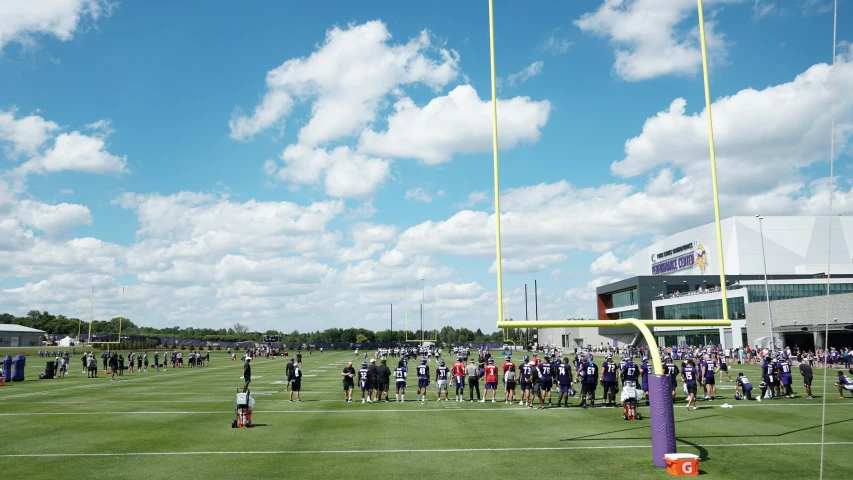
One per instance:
(498,265)
(641,325)
(713,163)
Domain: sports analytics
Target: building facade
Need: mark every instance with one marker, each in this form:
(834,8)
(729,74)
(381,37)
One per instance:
(678,277)
(20,336)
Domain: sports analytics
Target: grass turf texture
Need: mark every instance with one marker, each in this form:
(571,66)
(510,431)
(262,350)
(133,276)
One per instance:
(154,423)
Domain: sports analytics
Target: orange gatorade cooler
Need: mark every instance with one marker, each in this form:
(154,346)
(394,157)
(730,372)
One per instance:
(682,464)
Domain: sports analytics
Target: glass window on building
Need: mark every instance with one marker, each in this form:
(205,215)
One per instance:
(709,336)
(709,309)
(624,299)
(785,292)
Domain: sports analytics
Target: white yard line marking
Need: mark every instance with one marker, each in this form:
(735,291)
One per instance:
(412,450)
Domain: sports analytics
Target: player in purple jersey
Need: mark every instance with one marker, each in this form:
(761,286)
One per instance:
(690,376)
(724,367)
(783,370)
(608,381)
(364,383)
(742,383)
(768,374)
(546,379)
(564,382)
(844,383)
(555,365)
(709,376)
(630,372)
(400,375)
(588,373)
(672,370)
(644,376)
(423,379)
(442,374)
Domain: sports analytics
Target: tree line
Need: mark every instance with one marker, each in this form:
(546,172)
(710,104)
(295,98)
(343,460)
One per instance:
(62,325)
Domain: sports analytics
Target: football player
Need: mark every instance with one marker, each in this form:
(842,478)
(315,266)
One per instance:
(491,376)
(709,376)
(564,382)
(442,374)
(526,377)
(364,383)
(423,380)
(458,371)
(546,379)
(689,374)
(742,383)
(783,370)
(400,375)
(608,381)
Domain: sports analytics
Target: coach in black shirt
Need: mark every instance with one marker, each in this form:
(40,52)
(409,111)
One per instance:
(383,377)
(373,378)
(348,382)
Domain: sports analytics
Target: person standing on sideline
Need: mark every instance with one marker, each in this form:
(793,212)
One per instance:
(689,376)
(400,375)
(247,373)
(459,379)
(296,385)
(806,372)
(288,374)
(423,380)
(473,380)
(348,382)
(384,376)
(374,380)
(114,366)
(121,365)
(491,377)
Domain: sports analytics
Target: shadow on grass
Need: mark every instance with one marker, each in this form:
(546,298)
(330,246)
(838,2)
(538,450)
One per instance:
(642,427)
(681,439)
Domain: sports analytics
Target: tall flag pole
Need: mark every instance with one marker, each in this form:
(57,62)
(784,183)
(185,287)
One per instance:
(121,314)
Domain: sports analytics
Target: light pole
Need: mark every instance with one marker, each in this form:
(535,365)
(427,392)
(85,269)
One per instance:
(766,288)
(423,300)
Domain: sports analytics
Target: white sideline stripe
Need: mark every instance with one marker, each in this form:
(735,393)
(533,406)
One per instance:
(345,410)
(411,450)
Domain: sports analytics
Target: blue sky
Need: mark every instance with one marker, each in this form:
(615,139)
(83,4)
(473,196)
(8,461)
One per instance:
(296,167)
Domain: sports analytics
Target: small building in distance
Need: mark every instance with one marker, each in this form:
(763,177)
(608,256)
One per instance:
(19,336)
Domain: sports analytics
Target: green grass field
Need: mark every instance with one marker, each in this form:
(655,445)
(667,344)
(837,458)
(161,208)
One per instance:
(179,422)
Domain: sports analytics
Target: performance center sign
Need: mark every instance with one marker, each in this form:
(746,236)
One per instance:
(270,338)
(675,259)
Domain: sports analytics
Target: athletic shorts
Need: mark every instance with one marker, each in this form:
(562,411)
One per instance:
(785,380)
(492,386)
(674,383)
(547,384)
(608,386)
(588,388)
(383,387)
(296,385)
(401,384)
(710,380)
(423,382)
(510,386)
(365,386)
(525,385)
(564,388)
(807,381)
(691,389)
(537,389)
(441,383)
(348,385)
(460,381)
(724,368)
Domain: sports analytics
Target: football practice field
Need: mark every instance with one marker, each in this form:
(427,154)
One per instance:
(178,422)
